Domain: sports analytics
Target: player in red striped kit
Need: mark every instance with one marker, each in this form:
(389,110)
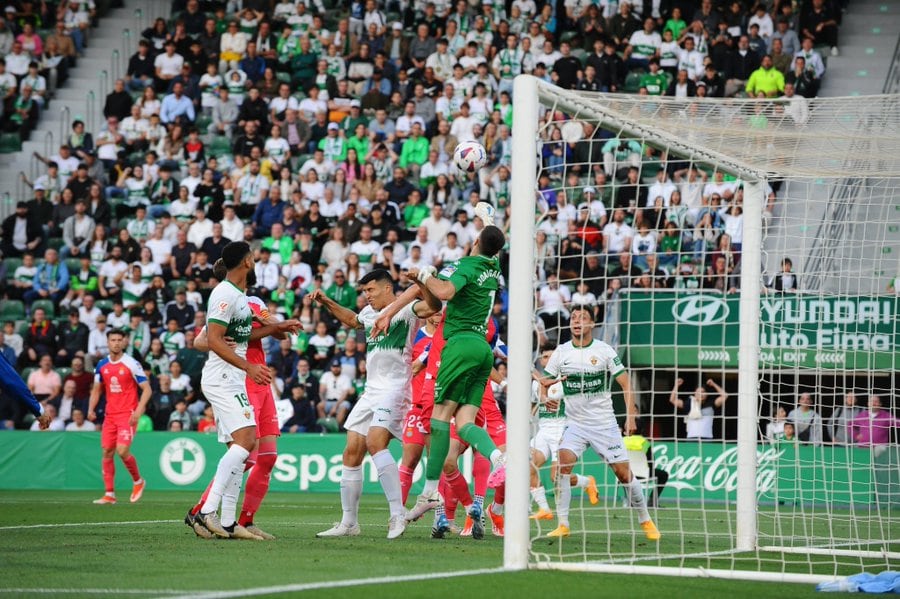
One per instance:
(262,458)
(119,376)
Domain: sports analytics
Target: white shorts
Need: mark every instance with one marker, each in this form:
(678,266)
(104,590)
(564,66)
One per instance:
(606,442)
(385,409)
(549,434)
(231,407)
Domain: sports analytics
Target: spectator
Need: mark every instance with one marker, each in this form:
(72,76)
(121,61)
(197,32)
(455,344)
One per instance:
(44,382)
(21,233)
(180,416)
(840,425)
(699,417)
(873,427)
(51,281)
(56,423)
(775,427)
(72,340)
(766,81)
(118,102)
(819,24)
(78,230)
(786,280)
(79,424)
(335,389)
(807,422)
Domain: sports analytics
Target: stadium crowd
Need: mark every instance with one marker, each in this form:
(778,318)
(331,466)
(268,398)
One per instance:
(323,137)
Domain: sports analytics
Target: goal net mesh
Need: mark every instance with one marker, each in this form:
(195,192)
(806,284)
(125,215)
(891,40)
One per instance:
(638,210)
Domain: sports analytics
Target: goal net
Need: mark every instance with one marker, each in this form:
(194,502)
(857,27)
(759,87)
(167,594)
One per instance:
(741,257)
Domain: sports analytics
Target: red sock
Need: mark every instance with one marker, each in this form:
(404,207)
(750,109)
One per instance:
(258,482)
(132,466)
(449,498)
(109,474)
(457,482)
(406,476)
(196,509)
(500,494)
(481,470)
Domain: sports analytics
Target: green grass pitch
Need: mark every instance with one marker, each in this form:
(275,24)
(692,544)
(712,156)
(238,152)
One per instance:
(59,544)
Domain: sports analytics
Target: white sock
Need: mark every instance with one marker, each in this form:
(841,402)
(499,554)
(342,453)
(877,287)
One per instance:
(495,457)
(351,489)
(564,500)
(582,481)
(539,496)
(497,509)
(231,464)
(389,477)
(637,500)
(430,487)
(230,499)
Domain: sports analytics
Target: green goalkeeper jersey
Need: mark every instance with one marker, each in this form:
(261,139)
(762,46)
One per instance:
(477,280)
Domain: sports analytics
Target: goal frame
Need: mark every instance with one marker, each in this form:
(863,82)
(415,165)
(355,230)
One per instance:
(529,92)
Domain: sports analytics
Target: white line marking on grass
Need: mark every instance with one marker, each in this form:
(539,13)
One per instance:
(334,584)
(69,591)
(72,524)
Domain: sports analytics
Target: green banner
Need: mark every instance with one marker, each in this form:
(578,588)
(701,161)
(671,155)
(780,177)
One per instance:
(312,463)
(701,329)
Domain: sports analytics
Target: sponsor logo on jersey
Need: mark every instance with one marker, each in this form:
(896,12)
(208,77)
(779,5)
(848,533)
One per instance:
(182,461)
(448,270)
(223,306)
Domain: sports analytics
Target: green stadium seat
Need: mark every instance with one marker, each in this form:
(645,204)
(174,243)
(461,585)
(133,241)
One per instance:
(175,284)
(55,243)
(73,264)
(11,265)
(633,83)
(283,77)
(63,372)
(220,145)
(12,310)
(10,143)
(22,327)
(104,305)
(47,305)
(203,122)
(26,372)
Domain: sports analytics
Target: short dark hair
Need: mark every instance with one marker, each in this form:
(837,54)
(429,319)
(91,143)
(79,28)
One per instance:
(112,332)
(582,308)
(219,270)
(491,241)
(234,253)
(379,275)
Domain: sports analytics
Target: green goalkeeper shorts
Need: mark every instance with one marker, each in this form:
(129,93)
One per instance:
(466,363)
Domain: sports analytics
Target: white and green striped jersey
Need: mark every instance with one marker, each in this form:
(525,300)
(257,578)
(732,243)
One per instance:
(543,412)
(587,386)
(644,45)
(388,356)
(228,307)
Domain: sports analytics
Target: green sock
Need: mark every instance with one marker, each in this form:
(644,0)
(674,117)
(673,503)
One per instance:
(478,438)
(440,446)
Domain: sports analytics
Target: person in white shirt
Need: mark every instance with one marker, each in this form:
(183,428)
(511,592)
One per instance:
(168,64)
(463,127)
(415,258)
(266,273)
(79,424)
(252,188)
(450,251)
(691,60)
(719,186)
(334,390)
(161,247)
(232,226)
(193,179)
(436,224)
(662,187)
(617,236)
(56,423)
(97,347)
(200,229)
(404,123)
(552,299)
(764,20)
(318,163)
(110,271)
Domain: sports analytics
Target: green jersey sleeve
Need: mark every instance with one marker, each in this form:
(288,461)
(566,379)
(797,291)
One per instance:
(457,273)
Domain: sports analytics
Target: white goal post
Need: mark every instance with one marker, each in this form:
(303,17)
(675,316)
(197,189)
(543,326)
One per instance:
(762,146)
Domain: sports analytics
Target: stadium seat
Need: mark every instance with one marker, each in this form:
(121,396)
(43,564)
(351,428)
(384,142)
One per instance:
(22,327)
(175,284)
(11,265)
(220,145)
(47,305)
(63,372)
(26,372)
(633,83)
(10,143)
(104,305)
(55,243)
(73,264)
(12,310)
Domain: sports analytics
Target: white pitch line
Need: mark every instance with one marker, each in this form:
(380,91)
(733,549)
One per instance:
(73,524)
(332,584)
(69,591)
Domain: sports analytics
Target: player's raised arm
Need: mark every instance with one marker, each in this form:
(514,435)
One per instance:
(383,322)
(345,316)
(274,328)
(439,288)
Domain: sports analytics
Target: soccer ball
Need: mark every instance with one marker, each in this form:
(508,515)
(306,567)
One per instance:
(469,156)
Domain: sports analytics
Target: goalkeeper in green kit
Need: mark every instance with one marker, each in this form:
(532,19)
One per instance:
(469,287)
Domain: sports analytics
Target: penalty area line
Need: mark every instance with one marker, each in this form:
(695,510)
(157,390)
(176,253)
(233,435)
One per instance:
(73,524)
(70,591)
(335,584)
